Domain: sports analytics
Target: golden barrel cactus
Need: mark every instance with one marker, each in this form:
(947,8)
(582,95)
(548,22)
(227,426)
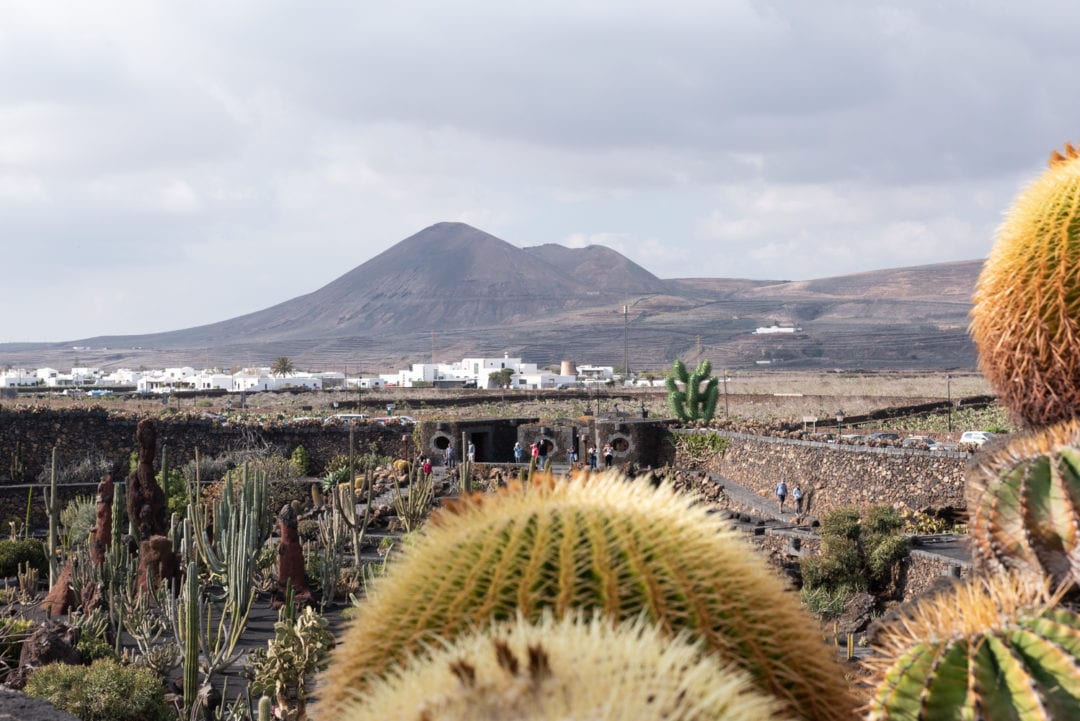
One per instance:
(598,543)
(1026,314)
(992,649)
(1023,501)
(565,669)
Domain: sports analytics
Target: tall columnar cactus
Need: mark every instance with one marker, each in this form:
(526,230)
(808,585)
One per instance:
(567,669)
(1026,314)
(689,400)
(604,543)
(990,649)
(1023,502)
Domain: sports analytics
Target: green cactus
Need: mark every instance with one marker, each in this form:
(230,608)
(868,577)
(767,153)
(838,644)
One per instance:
(1023,502)
(1025,319)
(690,401)
(567,669)
(990,649)
(599,543)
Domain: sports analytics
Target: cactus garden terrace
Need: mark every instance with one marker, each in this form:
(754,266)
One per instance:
(388,500)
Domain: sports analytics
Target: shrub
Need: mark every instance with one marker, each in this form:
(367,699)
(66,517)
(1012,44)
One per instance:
(103,691)
(91,648)
(78,519)
(14,553)
(13,631)
(300,460)
(856,555)
(308,529)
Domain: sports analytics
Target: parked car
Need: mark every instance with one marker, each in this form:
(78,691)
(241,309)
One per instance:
(975,438)
(920,442)
(883,437)
(344,418)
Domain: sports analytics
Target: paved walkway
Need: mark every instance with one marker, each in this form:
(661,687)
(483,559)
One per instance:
(761,506)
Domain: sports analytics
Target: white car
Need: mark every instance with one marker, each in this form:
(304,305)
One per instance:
(975,438)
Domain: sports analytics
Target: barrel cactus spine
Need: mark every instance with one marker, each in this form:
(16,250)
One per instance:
(991,648)
(1023,502)
(570,668)
(598,543)
(1026,313)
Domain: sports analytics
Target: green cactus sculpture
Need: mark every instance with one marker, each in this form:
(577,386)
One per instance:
(604,543)
(990,649)
(1026,313)
(567,669)
(1023,501)
(690,401)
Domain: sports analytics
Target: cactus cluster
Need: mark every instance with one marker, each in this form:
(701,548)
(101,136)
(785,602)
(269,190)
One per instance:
(570,668)
(996,648)
(688,398)
(1026,314)
(1001,646)
(592,543)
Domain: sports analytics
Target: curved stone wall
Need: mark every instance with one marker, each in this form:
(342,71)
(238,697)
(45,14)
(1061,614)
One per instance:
(834,476)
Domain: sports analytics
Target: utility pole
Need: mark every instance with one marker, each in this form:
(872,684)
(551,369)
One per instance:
(626,342)
(948,396)
(725,394)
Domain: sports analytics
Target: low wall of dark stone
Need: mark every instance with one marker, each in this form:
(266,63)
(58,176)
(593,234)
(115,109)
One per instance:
(836,476)
(27,439)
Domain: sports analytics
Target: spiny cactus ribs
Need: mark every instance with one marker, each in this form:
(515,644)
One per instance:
(991,649)
(1023,502)
(1026,314)
(567,669)
(606,543)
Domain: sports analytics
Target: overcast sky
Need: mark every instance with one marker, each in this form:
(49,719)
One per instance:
(165,165)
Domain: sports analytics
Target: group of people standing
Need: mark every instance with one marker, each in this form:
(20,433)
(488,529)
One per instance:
(796,495)
(539,451)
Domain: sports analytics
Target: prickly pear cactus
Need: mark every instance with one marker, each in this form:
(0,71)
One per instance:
(1026,314)
(604,543)
(990,649)
(1023,502)
(689,401)
(566,669)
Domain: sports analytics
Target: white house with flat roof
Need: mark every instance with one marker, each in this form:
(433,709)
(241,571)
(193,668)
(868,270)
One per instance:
(18,377)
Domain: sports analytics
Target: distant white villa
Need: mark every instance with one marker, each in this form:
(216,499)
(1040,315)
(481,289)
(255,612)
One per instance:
(477,372)
(768,330)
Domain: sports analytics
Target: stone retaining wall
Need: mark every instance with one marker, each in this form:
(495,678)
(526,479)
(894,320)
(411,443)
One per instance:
(28,437)
(834,476)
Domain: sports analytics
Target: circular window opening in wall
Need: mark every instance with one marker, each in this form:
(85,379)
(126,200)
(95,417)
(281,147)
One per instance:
(440,442)
(620,444)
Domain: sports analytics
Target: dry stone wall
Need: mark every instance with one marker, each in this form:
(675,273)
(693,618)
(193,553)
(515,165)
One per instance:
(834,476)
(27,438)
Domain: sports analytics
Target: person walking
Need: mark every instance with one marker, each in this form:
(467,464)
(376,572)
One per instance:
(472,452)
(534,452)
(592,458)
(796,495)
(448,456)
(781,494)
(427,468)
(519,452)
(609,455)
(542,449)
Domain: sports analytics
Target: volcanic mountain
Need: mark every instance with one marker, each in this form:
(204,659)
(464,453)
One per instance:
(452,290)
